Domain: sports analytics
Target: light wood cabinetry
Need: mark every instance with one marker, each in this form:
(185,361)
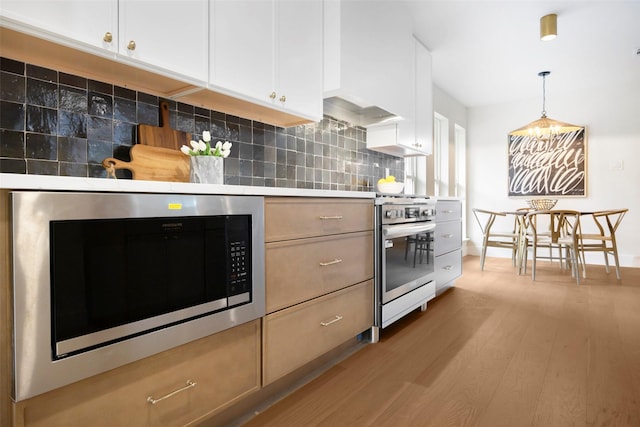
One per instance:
(297,335)
(224,367)
(264,61)
(296,218)
(448,243)
(319,271)
(303,269)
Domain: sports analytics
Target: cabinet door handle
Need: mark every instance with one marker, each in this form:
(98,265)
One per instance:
(131,45)
(108,37)
(166,396)
(283,98)
(335,261)
(447,267)
(272,95)
(331,217)
(337,318)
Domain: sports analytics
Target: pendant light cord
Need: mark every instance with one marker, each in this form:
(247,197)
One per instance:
(544,74)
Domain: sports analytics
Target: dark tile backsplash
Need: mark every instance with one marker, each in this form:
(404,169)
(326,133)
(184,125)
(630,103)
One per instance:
(53,123)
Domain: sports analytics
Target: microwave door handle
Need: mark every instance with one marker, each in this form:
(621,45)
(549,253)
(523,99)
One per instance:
(403,230)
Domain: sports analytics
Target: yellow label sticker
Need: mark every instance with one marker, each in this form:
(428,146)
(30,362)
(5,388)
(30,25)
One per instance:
(175,206)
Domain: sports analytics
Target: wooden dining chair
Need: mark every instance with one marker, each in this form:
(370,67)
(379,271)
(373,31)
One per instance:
(507,239)
(558,231)
(604,240)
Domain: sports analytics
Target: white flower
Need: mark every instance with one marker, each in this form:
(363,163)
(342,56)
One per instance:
(206,135)
(204,148)
(226,149)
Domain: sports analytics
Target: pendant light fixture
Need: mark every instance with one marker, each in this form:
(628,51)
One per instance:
(544,128)
(548,27)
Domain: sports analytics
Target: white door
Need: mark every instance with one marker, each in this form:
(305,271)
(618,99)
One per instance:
(299,57)
(89,22)
(170,34)
(242,48)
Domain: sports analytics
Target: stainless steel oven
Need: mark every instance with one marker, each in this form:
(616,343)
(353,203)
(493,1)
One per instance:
(104,279)
(404,258)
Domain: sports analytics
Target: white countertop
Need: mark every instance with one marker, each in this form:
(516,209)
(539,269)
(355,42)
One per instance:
(47,183)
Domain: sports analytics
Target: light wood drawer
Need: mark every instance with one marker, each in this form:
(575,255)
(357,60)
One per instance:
(448,267)
(299,270)
(447,237)
(297,335)
(224,366)
(448,210)
(299,217)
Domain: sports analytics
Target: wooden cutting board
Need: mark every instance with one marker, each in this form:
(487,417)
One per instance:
(163,136)
(153,164)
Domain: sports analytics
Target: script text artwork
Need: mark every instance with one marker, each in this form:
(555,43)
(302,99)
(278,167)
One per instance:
(547,167)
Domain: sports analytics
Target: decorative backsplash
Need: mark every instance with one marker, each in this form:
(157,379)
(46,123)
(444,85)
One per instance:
(53,123)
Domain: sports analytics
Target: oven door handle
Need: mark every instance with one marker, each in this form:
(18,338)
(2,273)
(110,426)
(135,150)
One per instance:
(393,231)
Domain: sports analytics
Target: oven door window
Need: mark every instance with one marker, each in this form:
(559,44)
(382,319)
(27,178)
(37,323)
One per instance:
(407,263)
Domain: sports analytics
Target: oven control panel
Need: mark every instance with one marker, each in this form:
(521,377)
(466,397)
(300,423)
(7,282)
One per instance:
(391,214)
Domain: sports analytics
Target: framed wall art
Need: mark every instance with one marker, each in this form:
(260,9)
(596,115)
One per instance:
(554,166)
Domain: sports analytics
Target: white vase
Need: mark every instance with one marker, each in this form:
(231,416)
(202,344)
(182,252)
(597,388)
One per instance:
(206,170)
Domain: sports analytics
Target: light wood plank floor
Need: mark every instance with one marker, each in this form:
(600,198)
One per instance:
(496,350)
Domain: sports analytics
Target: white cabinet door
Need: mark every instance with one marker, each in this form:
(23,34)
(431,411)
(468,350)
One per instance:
(299,57)
(242,48)
(169,34)
(412,136)
(424,100)
(76,20)
(269,52)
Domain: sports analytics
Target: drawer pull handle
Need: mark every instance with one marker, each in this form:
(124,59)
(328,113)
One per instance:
(335,261)
(447,236)
(447,211)
(447,267)
(338,318)
(331,217)
(166,396)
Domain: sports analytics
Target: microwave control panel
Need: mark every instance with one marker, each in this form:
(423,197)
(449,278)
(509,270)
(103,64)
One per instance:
(239,274)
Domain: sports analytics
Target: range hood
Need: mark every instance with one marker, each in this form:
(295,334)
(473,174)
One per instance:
(342,109)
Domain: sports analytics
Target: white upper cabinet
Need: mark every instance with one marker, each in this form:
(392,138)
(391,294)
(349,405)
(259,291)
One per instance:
(369,55)
(424,100)
(242,47)
(172,35)
(168,36)
(412,136)
(269,52)
(92,22)
(299,51)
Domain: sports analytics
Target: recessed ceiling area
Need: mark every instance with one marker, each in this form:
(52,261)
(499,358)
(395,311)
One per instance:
(490,52)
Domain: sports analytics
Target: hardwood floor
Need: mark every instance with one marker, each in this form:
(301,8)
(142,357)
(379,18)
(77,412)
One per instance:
(496,350)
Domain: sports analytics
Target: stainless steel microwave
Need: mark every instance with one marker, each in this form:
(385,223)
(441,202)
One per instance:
(104,279)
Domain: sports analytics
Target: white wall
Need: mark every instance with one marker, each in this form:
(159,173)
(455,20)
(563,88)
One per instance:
(612,122)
